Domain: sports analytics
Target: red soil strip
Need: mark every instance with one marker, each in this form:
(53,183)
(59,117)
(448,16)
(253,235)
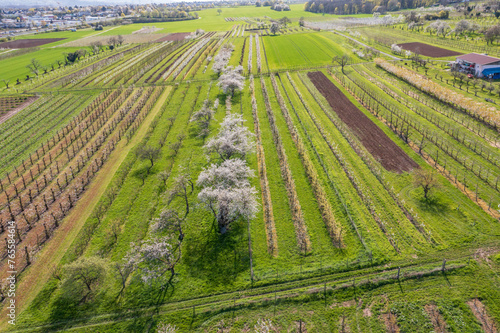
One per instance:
(8,114)
(428,50)
(26,43)
(175,37)
(388,153)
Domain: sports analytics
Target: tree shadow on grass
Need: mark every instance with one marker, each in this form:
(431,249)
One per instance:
(217,258)
(433,204)
(73,301)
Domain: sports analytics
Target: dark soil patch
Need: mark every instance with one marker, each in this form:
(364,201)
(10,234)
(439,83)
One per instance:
(428,50)
(26,43)
(388,153)
(175,37)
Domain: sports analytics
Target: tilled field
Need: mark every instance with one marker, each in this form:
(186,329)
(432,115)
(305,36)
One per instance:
(390,155)
(428,50)
(26,43)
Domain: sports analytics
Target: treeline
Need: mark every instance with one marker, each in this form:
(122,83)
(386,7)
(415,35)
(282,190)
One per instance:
(349,7)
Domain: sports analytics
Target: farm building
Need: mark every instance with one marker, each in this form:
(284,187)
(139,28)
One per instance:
(479,65)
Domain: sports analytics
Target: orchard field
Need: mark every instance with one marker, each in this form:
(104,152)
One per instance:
(239,179)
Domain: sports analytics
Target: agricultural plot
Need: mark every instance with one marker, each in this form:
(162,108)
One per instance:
(428,50)
(289,198)
(302,50)
(26,43)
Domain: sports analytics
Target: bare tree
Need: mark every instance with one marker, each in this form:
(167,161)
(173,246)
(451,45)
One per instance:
(120,40)
(35,66)
(95,47)
(341,61)
(426,179)
(183,186)
(125,268)
(6,83)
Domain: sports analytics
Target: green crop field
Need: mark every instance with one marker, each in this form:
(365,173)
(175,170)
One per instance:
(243,180)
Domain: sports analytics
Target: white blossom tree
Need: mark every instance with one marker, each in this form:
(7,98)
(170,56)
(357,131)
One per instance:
(155,257)
(231,80)
(227,193)
(222,58)
(169,220)
(233,139)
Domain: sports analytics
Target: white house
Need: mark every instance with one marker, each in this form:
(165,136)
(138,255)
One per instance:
(480,65)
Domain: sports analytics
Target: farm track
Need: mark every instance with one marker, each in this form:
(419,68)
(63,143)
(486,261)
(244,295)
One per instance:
(63,238)
(390,155)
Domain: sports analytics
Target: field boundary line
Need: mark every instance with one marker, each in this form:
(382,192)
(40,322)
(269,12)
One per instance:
(51,255)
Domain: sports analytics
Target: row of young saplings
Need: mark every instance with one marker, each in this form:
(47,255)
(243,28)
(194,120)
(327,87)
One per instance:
(303,240)
(137,68)
(39,112)
(15,145)
(33,168)
(73,189)
(34,157)
(80,75)
(130,65)
(434,138)
(267,205)
(362,190)
(97,78)
(475,126)
(165,65)
(333,227)
(401,124)
(200,57)
(83,158)
(365,197)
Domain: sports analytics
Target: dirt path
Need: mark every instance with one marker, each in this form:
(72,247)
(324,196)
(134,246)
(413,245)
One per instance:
(35,277)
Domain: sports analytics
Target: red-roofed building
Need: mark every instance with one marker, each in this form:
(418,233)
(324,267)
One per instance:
(479,65)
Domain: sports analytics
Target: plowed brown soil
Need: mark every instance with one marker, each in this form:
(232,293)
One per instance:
(389,154)
(428,50)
